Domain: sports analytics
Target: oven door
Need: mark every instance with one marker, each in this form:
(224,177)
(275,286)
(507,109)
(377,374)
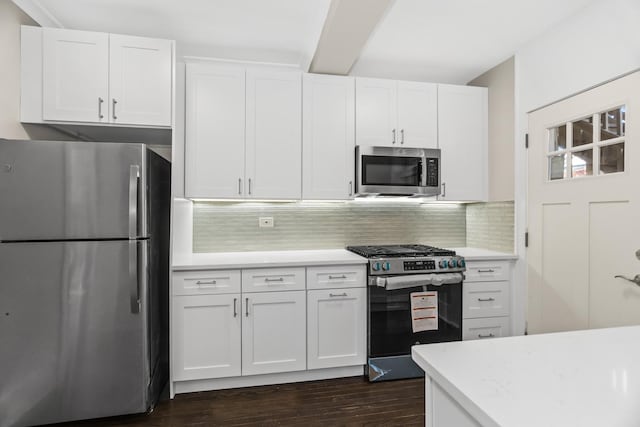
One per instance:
(391,329)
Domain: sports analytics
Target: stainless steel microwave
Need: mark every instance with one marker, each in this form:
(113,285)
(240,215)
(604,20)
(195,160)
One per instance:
(395,171)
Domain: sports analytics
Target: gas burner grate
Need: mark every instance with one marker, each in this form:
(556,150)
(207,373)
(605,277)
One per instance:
(390,251)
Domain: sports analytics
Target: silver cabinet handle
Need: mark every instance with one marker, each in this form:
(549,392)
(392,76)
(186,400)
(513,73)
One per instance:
(337,277)
(246,303)
(206,282)
(401,136)
(239,185)
(235,307)
(100,101)
(489,270)
(393,132)
(338,295)
(113,109)
(249,186)
(636,279)
(279,279)
(486,299)
(350,188)
(444,189)
(486,336)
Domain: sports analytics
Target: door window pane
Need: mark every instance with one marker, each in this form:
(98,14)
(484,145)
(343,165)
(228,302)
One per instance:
(583,131)
(557,166)
(612,123)
(582,163)
(612,158)
(558,138)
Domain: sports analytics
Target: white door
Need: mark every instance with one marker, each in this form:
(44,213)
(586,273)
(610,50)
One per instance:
(328,137)
(75,85)
(206,336)
(336,327)
(376,112)
(140,80)
(274,135)
(583,210)
(215,131)
(463,140)
(417,114)
(273,332)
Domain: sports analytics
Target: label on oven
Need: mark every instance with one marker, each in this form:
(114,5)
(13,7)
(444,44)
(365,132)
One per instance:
(424,311)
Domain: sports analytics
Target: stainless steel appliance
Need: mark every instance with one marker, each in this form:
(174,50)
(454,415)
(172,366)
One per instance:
(397,171)
(84,248)
(414,297)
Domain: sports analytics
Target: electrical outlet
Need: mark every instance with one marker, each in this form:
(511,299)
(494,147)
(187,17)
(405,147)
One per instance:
(265,222)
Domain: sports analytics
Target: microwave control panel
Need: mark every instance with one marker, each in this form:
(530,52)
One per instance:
(432,172)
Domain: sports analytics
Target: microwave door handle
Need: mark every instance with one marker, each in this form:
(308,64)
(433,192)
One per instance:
(423,177)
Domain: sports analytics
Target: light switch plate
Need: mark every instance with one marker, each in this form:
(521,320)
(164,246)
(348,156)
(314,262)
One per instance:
(265,222)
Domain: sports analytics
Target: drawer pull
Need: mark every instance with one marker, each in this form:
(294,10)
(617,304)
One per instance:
(279,279)
(205,282)
(338,295)
(489,270)
(486,336)
(337,277)
(486,299)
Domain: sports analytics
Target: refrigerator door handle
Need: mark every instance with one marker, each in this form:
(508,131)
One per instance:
(134,175)
(134,276)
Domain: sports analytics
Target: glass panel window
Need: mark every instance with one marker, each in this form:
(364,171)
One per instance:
(557,166)
(583,131)
(582,163)
(612,123)
(558,138)
(612,158)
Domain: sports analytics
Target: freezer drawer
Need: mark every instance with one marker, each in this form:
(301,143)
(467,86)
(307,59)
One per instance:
(73,344)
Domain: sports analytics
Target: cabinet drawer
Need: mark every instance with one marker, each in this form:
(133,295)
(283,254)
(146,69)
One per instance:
(485,299)
(206,282)
(348,276)
(273,279)
(487,271)
(489,327)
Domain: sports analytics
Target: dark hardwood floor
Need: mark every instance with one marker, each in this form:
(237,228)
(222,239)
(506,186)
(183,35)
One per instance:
(340,402)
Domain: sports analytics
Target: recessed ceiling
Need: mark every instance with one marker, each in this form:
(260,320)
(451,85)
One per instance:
(454,41)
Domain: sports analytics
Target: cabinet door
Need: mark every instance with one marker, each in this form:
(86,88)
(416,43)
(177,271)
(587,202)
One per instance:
(376,112)
(462,129)
(273,332)
(215,131)
(336,325)
(75,85)
(418,115)
(328,137)
(274,135)
(140,80)
(206,336)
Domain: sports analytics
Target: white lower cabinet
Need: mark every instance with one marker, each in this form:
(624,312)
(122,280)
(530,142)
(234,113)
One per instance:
(206,339)
(486,327)
(273,332)
(336,327)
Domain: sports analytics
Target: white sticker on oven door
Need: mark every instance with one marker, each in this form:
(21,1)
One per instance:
(424,311)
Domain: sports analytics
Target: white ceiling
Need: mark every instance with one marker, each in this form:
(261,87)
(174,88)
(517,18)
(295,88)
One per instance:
(453,41)
(448,41)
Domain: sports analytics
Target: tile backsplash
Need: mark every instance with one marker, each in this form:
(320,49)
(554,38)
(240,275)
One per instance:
(230,226)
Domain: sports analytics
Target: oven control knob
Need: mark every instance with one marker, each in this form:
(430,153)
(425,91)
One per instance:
(386,266)
(453,263)
(375,266)
(461,263)
(443,263)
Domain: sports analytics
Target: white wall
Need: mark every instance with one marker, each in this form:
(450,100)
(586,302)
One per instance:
(598,44)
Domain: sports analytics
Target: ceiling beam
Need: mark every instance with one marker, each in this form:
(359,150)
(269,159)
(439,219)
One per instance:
(347,28)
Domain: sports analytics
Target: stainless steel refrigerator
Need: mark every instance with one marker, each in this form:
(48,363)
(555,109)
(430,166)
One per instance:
(84,248)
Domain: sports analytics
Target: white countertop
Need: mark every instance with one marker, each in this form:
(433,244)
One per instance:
(220,260)
(582,379)
(477,254)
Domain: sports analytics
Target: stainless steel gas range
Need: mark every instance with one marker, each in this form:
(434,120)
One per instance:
(414,297)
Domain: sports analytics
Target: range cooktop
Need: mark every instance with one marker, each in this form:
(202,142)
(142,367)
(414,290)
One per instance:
(399,251)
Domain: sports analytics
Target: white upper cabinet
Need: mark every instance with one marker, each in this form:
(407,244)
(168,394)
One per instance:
(75,72)
(396,113)
(95,78)
(328,137)
(462,138)
(273,134)
(140,71)
(215,131)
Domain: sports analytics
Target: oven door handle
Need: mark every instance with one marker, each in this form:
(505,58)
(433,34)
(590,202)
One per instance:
(392,283)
